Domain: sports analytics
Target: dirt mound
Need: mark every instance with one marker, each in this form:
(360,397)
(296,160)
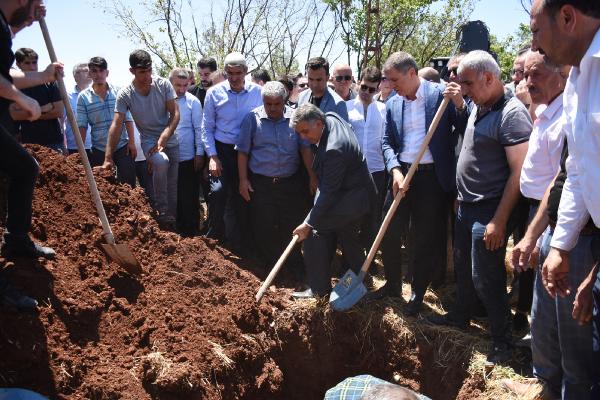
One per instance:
(189,328)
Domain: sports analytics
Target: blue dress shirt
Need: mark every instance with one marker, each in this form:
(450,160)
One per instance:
(189,129)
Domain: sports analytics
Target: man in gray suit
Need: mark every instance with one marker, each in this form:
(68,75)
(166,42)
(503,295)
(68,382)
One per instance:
(344,196)
(317,70)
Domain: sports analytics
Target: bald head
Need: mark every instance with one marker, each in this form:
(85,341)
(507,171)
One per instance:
(342,80)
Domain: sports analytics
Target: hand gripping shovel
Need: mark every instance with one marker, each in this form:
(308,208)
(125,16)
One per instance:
(119,253)
(350,288)
(276,268)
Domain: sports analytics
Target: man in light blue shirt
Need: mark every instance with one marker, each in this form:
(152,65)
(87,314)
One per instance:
(225,106)
(82,82)
(269,156)
(191,154)
(95,110)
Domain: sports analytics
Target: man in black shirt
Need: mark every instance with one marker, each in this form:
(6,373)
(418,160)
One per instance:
(45,130)
(18,165)
(206,66)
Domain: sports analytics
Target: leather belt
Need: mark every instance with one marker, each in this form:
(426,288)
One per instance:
(272,179)
(421,167)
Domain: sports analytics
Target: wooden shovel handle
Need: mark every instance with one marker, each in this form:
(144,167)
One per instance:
(108,235)
(276,268)
(405,183)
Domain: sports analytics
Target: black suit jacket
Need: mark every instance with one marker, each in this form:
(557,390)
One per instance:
(346,190)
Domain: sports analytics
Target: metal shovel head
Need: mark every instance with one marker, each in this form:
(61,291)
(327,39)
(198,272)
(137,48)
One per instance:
(348,291)
(121,254)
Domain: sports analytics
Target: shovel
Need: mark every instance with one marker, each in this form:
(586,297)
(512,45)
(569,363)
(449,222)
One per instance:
(119,253)
(350,288)
(276,268)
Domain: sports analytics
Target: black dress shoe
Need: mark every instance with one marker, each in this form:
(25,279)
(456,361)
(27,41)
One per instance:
(500,354)
(305,294)
(25,248)
(10,297)
(448,320)
(413,307)
(387,290)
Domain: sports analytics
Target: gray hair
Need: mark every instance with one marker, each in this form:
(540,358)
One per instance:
(180,73)
(274,89)
(480,61)
(307,112)
(545,61)
(79,66)
(401,61)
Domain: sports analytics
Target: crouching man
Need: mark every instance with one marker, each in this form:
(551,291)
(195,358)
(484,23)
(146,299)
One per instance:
(345,194)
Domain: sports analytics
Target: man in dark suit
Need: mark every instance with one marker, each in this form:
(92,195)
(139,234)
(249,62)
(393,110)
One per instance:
(344,196)
(422,211)
(317,71)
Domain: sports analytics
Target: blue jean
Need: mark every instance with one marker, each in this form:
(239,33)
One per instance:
(560,346)
(481,271)
(165,166)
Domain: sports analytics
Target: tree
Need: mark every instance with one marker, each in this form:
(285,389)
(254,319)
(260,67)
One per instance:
(270,33)
(423,28)
(507,49)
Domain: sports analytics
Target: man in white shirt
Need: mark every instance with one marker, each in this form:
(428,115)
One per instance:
(568,32)
(191,154)
(408,118)
(367,117)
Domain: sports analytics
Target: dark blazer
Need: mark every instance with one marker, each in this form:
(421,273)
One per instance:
(442,143)
(331,102)
(346,189)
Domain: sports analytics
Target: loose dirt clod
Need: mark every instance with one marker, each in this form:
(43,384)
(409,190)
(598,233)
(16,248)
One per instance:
(190,328)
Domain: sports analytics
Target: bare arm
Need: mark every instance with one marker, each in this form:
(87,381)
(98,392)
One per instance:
(24,80)
(495,232)
(245,186)
(114,132)
(9,91)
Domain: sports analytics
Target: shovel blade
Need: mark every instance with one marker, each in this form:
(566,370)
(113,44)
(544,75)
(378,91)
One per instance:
(348,291)
(121,254)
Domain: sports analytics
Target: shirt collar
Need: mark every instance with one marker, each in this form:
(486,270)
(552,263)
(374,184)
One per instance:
(227,87)
(594,49)
(549,111)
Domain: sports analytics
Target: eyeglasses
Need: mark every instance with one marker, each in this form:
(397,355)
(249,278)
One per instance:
(302,85)
(340,78)
(371,90)
(517,71)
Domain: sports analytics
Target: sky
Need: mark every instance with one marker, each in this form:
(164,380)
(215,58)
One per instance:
(80,30)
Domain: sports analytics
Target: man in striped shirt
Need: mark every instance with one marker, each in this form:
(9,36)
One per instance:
(96,108)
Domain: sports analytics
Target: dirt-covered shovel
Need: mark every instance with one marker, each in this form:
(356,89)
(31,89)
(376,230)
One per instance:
(276,268)
(120,253)
(350,288)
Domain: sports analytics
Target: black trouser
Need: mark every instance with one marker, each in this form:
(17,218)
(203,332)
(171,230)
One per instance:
(423,211)
(188,198)
(21,169)
(371,225)
(123,162)
(277,206)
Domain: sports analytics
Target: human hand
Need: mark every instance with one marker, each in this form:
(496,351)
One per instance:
(454,91)
(583,306)
(54,71)
(398,182)
(214,166)
(494,235)
(245,189)
(30,106)
(131,150)
(555,273)
(302,230)
(522,93)
(524,255)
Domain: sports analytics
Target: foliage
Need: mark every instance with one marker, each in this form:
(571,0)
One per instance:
(507,49)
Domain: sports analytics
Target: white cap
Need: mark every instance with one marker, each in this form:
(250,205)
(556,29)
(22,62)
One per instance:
(235,59)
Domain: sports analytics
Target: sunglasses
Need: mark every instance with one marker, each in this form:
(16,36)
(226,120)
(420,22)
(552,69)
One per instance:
(517,71)
(365,88)
(340,78)
(302,85)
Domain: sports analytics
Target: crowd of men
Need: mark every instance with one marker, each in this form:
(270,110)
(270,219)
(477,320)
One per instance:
(321,156)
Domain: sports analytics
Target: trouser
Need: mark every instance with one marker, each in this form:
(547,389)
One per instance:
(560,346)
(21,170)
(480,271)
(123,162)
(165,165)
(188,198)
(526,278)
(319,249)
(229,218)
(143,177)
(423,212)
(277,206)
(87,151)
(596,325)
(371,225)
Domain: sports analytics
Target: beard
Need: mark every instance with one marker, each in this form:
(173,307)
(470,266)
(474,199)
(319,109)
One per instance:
(21,15)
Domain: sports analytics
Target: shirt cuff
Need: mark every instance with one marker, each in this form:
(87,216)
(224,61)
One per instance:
(563,239)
